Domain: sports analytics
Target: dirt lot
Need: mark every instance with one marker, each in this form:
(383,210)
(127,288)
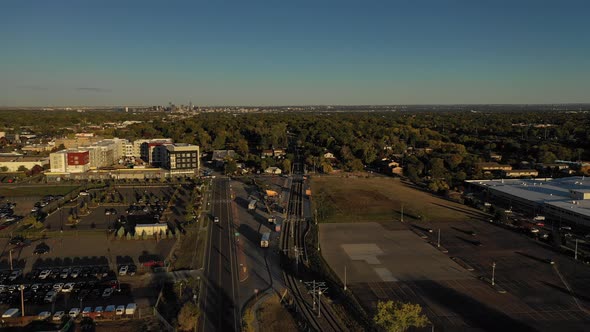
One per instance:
(390,260)
(398,264)
(354,199)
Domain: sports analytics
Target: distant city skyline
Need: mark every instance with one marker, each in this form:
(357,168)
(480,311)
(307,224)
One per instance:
(62,53)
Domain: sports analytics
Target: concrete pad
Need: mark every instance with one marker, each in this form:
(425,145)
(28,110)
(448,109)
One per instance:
(373,254)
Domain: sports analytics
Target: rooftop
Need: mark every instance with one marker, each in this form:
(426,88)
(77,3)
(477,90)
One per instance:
(556,192)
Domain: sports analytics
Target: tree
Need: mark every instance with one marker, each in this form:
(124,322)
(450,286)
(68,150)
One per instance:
(188,316)
(22,168)
(3,169)
(398,316)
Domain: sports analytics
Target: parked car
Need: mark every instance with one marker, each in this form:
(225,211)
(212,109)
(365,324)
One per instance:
(130,310)
(74,312)
(67,288)
(108,292)
(98,311)
(86,312)
(132,270)
(57,287)
(15,275)
(75,272)
(44,315)
(120,310)
(12,312)
(50,297)
(58,315)
(64,273)
(123,270)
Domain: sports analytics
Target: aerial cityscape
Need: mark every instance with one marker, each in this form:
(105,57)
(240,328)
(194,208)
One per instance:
(384,166)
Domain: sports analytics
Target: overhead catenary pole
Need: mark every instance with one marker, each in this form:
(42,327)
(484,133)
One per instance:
(402,213)
(493,273)
(576,251)
(10,257)
(438,242)
(319,303)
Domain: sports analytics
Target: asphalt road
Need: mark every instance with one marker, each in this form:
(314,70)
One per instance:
(219,298)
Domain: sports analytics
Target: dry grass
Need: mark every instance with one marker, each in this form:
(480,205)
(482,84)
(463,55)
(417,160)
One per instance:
(361,199)
(272,316)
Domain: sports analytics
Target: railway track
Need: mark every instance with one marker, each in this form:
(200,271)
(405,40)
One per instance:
(294,253)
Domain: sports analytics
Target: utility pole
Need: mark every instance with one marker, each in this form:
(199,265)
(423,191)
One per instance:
(576,251)
(10,257)
(344,277)
(493,272)
(438,243)
(22,300)
(402,213)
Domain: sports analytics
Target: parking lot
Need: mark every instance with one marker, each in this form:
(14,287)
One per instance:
(52,288)
(539,294)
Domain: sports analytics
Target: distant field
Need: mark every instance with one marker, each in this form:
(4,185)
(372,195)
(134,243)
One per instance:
(18,191)
(341,199)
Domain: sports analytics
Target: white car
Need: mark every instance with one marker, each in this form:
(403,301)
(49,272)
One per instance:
(57,287)
(123,270)
(84,193)
(216,219)
(44,274)
(58,315)
(67,288)
(74,312)
(44,315)
(120,310)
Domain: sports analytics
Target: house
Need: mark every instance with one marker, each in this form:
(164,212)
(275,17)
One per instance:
(516,173)
(273,170)
(495,156)
(492,166)
(278,152)
(220,156)
(329,156)
(266,153)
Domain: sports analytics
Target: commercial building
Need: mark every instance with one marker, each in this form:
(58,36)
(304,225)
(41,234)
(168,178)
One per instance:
(562,199)
(150,229)
(12,164)
(70,161)
(143,151)
(182,159)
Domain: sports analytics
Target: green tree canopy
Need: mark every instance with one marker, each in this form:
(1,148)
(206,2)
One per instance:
(394,316)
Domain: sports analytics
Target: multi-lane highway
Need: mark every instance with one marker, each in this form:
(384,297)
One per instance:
(220,293)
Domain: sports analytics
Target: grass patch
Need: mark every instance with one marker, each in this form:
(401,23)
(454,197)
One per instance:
(18,191)
(357,199)
(272,316)
(183,255)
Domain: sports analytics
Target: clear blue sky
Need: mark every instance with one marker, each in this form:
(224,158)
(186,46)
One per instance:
(293,52)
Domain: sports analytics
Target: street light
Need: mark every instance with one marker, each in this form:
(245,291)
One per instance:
(22,300)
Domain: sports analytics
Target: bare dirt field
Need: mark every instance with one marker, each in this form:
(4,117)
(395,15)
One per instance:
(359,199)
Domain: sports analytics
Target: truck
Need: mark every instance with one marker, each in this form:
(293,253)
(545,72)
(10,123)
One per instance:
(252,205)
(264,241)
